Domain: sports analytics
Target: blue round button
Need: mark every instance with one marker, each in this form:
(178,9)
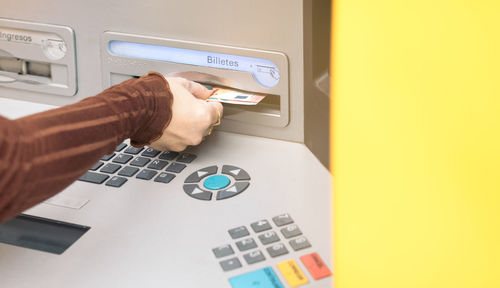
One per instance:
(216,182)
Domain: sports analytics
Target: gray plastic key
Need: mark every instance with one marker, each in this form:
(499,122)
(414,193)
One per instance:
(269,237)
(260,226)
(133,150)
(291,231)
(238,232)
(164,177)
(186,158)
(122,158)
(157,164)
(254,257)
(128,171)
(107,157)
(150,152)
(168,155)
(120,147)
(110,168)
(196,176)
(236,172)
(146,174)
(175,167)
(230,264)
(116,181)
(140,161)
(277,250)
(223,251)
(282,219)
(93,177)
(97,165)
(246,244)
(300,243)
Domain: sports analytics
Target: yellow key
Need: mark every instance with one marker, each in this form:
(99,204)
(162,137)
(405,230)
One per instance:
(292,273)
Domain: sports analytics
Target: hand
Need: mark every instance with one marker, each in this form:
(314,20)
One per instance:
(192,116)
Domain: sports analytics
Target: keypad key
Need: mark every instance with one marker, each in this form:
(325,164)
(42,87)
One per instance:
(223,251)
(140,161)
(186,158)
(164,177)
(175,167)
(133,150)
(234,190)
(262,278)
(236,172)
(238,232)
(107,157)
(194,191)
(300,243)
(254,257)
(146,174)
(291,231)
(260,226)
(168,155)
(97,165)
(122,158)
(246,244)
(128,171)
(116,181)
(269,237)
(292,273)
(110,168)
(157,164)
(230,264)
(282,219)
(196,176)
(277,250)
(150,152)
(120,147)
(93,177)
(315,265)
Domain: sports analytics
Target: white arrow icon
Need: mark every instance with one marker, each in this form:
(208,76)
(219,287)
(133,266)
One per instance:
(235,172)
(232,189)
(202,173)
(196,190)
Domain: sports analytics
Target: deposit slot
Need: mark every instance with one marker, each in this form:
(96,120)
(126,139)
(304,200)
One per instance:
(243,69)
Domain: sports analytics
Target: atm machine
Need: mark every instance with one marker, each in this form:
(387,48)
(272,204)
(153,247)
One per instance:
(249,207)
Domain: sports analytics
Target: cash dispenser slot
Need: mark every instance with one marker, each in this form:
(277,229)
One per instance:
(37,57)
(247,70)
(13,69)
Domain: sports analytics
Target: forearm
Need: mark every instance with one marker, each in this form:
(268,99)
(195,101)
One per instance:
(43,153)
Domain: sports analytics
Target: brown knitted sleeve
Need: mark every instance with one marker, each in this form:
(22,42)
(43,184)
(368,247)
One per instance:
(43,153)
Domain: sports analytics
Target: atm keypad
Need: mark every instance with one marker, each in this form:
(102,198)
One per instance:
(141,163)
(278,238)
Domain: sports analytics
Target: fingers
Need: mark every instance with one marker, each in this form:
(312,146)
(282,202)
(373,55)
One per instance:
(199,91)
(216,112)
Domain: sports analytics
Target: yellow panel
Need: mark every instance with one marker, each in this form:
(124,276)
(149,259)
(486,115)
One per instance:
(416,143)
(292,273)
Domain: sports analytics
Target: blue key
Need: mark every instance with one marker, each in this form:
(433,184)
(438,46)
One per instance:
(262,278)
(216,182)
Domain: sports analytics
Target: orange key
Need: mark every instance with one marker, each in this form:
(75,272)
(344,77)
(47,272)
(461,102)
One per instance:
(315,265)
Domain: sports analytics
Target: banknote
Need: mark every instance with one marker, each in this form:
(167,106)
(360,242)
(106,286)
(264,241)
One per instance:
(226,95)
